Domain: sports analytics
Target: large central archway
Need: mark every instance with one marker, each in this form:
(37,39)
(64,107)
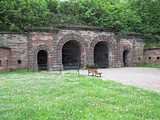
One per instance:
(71,55)
(42,59)
(101,59)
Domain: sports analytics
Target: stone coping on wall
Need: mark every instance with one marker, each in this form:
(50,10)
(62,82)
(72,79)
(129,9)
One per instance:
(151,49)
(69,27)
(129,35)
(4,47)
(9,32)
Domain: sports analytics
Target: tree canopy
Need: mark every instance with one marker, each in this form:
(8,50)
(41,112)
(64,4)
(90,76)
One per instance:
(141,16)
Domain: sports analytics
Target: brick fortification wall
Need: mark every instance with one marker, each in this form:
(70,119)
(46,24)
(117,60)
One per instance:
(23,48)
(135,46)
(16,54)
(5,57)
(54,42)
(152,56)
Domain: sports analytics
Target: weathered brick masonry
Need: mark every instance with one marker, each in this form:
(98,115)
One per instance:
(5,57)
(67,47)
(135,47)
(15,53)
(152,56)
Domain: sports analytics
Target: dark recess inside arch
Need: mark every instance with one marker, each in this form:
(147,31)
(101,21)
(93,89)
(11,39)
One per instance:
(125,58)
(42,59)
(71,55)
(101,55)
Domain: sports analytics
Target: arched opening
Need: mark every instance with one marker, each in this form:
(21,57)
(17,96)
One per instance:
(125,58)
(0,63)
(42,59)
(71,55)
(101,59)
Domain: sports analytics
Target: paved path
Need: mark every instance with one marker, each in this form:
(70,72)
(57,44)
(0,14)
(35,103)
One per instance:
(147,78)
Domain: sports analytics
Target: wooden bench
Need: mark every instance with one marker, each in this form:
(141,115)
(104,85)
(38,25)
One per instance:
(94,72)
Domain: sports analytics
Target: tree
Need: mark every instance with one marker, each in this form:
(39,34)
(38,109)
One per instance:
(126,15)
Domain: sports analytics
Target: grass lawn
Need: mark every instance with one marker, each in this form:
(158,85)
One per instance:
(150,65)
(48,96)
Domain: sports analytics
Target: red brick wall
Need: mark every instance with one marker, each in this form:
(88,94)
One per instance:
(152,56)
(135,48)
(18,44)
(4,59)
(40,41)
(25,46)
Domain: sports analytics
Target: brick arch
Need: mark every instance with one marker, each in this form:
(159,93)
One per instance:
(66,38)
(126,47)
(110,41)
(34,56)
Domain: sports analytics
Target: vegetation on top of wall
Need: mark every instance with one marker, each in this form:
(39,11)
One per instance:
(152,41)
(140,16)
(127,15)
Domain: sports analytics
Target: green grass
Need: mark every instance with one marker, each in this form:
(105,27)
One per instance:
(150,65)
(48,96)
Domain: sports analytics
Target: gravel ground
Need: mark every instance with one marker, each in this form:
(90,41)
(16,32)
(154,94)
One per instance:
(147,78)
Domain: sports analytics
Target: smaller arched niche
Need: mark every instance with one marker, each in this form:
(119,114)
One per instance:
(125,58)
(42,60)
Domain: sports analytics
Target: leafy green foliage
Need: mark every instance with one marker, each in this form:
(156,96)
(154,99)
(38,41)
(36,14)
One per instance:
(152,41)
(126,15)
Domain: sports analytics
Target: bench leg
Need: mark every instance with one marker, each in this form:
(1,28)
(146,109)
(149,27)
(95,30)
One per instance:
(90,74)
(98,75)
